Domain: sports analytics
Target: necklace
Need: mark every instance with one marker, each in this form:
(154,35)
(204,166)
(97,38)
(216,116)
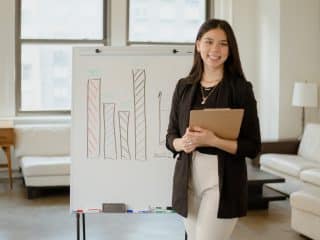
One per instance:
(204,98)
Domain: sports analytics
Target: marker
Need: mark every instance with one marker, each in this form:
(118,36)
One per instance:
(144,211)
(159,210)
(138,211)
(89,210)
(94,210)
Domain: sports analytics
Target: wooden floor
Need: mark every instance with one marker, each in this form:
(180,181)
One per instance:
(49,218)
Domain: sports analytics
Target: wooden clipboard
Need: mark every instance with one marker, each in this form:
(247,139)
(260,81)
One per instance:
(224,122)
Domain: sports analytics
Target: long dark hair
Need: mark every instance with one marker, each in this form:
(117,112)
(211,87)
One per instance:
(232,65)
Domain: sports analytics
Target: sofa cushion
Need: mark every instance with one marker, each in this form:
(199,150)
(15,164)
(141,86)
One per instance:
(42,140)
(46,181)
(311,176)
(287,163)
(306,200)
(45,166)
(309,147)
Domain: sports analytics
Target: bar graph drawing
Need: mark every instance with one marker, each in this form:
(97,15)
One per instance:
(124,134)
(163,115)
(110,143)
(93,117)
(139,82)
(163,118)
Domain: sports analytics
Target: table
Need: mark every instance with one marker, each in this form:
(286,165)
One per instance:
(6,141)
(259,196)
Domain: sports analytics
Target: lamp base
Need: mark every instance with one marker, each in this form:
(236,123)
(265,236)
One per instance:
(302,121)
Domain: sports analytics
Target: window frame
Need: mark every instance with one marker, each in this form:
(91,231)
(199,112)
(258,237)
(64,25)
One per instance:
(19,42)
(209,9)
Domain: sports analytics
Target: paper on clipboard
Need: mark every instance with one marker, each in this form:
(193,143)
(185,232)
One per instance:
(224,122)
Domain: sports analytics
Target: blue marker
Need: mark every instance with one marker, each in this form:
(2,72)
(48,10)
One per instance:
(144,211)
(138,211)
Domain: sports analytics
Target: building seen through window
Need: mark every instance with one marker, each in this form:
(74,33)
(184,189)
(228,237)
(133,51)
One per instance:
(49,29)
(173,21)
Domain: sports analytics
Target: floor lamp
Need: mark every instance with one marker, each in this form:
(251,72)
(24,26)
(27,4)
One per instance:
(305,95)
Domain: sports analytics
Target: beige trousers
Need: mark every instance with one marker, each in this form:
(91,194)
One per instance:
(203,201)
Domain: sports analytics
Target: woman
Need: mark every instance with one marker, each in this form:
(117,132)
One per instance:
(210,178)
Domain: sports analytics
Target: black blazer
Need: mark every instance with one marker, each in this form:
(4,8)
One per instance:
(234,93)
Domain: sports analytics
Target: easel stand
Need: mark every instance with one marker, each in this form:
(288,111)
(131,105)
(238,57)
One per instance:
(81,222)
(79,216)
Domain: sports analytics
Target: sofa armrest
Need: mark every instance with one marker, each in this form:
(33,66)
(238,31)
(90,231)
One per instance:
(289,146)
(281,146)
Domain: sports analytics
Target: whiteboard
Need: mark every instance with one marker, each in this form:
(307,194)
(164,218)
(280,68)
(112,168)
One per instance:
(121,98)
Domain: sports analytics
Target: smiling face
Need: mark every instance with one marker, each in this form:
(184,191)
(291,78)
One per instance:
(213,48)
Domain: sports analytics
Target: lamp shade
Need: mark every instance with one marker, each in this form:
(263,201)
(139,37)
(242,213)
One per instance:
(305,94)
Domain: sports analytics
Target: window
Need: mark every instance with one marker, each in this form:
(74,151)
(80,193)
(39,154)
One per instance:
(165,21)
(48,29)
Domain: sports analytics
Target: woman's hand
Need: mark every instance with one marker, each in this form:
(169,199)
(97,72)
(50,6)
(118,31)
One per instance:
(205,138)
(201,137)
(197,137)
(184,144)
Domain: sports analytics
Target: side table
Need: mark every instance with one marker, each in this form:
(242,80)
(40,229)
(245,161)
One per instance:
(6,141)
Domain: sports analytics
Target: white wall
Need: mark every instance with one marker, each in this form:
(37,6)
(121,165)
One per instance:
(245,27)
(257,26)
(7,52)
(7,91)
(268,59)
(299,59)
(118,18)
(223,9)
(287,50)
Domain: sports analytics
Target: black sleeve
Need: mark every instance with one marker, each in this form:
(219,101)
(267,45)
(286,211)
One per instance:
(249,141)
(173,127)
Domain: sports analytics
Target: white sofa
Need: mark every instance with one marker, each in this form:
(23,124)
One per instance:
(44,155)
(301,169)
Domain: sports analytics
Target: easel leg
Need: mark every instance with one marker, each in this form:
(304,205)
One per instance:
(78,225)
(83,227)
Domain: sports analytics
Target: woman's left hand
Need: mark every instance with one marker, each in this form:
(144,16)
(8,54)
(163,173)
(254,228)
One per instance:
(201,137)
